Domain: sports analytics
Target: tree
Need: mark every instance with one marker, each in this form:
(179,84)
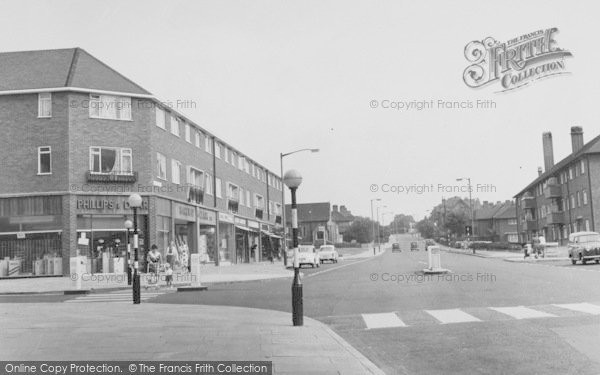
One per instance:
(426,228)
(361,230)
(456,222)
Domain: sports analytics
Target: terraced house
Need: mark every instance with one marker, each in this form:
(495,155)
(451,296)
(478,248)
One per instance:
(78,138)
(565,197)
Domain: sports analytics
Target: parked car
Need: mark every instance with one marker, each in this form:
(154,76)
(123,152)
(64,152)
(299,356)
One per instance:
(584,247)
(414,246)
(329,253)
(396,247)
(307,254)
(429,242)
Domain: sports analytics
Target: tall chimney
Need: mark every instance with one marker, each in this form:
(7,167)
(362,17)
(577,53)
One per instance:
(335,208)
(548,151)
(576,138)
(540,171)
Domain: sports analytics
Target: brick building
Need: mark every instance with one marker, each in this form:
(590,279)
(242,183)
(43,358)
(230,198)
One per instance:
(496,222)
(79,138)
(565,197)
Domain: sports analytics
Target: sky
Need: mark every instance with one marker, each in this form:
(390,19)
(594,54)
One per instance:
(276,76)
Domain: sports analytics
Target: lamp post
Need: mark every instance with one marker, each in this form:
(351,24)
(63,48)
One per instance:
(281,156)
(292,180)
(470,209)
(373,223)
(128,226)
(135,201)
(379,228)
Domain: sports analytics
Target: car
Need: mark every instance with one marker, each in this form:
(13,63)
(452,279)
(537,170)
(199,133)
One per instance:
(429,242)
(396,248)
(584,247)
(328,252)
(414,246)
(307,254)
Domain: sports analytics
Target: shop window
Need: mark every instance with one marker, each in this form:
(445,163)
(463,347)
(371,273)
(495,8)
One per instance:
(44,105)
(44,160)
(161,166)
(111,160)
(110,107)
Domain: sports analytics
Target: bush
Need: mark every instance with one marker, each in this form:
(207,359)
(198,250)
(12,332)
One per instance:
(495,246)
(346,245)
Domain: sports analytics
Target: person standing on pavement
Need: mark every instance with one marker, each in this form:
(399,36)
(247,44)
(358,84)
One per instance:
(172,254)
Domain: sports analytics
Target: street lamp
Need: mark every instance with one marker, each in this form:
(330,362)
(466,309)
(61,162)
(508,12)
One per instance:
(470,209)
(135,202)
(281,156)
(373,223)
(292,180)
(128,226)
(379,228)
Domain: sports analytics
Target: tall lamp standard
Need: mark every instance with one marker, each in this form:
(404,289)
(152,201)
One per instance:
(470,209)
(292,180)
(135,202)
(373,223)
(128,226)
(379,228)
(281,156)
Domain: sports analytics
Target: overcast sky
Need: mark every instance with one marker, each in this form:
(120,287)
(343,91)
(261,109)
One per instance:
(275,76)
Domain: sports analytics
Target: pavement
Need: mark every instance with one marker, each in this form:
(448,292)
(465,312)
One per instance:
(104,331)
(552,254)
(209,274)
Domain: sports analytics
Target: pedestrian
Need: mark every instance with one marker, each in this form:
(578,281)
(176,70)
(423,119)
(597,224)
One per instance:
(172,254)
(169,275)
(153,259)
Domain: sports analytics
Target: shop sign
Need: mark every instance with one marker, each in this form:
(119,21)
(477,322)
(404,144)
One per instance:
(184,212)
(207,217)
(240,221)
(226,218)
(253,224)
(108,205)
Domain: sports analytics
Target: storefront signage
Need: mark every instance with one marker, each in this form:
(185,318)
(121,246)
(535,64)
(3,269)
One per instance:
(207,217)
(226,218)
(253,224)
(112,205)
(184,212)
(240,221)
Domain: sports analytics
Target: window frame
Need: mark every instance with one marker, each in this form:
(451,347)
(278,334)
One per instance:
(219,188)
(121,153)
(48,101)
(160,113)
(188,132)
(104,115)
(161,157)
(44,152)
(174,125)
(176,163)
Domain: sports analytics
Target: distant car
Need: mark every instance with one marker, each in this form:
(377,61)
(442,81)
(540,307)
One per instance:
(429,242)
(307,254)
(329,253)
(584,247)
(414,246)
(396,247)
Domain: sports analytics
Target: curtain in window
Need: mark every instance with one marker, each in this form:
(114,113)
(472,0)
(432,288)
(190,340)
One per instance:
(108,158)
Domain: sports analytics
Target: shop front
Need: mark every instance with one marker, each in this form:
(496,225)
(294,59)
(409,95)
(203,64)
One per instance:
(242,246)
(271,243)
(254,240)
(185,233)
(227,239)
(31,236)
(101,234)
(207,235)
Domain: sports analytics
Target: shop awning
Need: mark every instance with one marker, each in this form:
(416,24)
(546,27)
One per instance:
(272,235)
(243,228)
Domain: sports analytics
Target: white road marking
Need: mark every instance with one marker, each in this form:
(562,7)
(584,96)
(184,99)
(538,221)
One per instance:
(384,320)
(581,307)
(452,316)
(522,312)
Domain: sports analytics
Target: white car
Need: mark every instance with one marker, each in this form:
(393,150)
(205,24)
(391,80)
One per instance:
(307,254)
(328,252)
(584,247)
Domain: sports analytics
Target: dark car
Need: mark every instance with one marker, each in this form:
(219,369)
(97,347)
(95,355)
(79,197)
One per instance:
(396,247)
(414,246)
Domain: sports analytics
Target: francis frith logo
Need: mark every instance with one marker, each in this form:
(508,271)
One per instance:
(515,63)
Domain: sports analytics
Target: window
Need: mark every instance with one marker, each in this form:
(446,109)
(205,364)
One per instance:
(219,191)
(248,201)
(111,160)
(160,118)
(218,150)
(582,167)
(188,133)
(195,177)
(110,107)
(44,160)
(259,201)
(278,209)
(242,197)
(197,139)
(585,197)
(45,104)
(233,192)
(512,221)
(208,144)
(572,201)
(241,162)
(161,166)
(587,225)
(233,158)
(209,184)
(175,171)
(247,166)
(174,126)
(226,154)
(570,173)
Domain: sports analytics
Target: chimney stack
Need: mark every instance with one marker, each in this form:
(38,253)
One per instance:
(576,138)
(335,208)
(539,171)
(548,151)
(343,209)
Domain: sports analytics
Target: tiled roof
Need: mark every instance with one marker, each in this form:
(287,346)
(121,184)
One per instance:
(72,67)
(338,216)
(310,212)
(486,212)
(506,212)
(592,147)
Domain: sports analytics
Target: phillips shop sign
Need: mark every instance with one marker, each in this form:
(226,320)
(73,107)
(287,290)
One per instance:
(515,63)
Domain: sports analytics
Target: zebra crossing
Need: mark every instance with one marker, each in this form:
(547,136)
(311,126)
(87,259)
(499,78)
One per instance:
(119,296)
(416,318)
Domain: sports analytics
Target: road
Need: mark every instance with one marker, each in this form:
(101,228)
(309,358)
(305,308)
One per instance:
(486,316)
